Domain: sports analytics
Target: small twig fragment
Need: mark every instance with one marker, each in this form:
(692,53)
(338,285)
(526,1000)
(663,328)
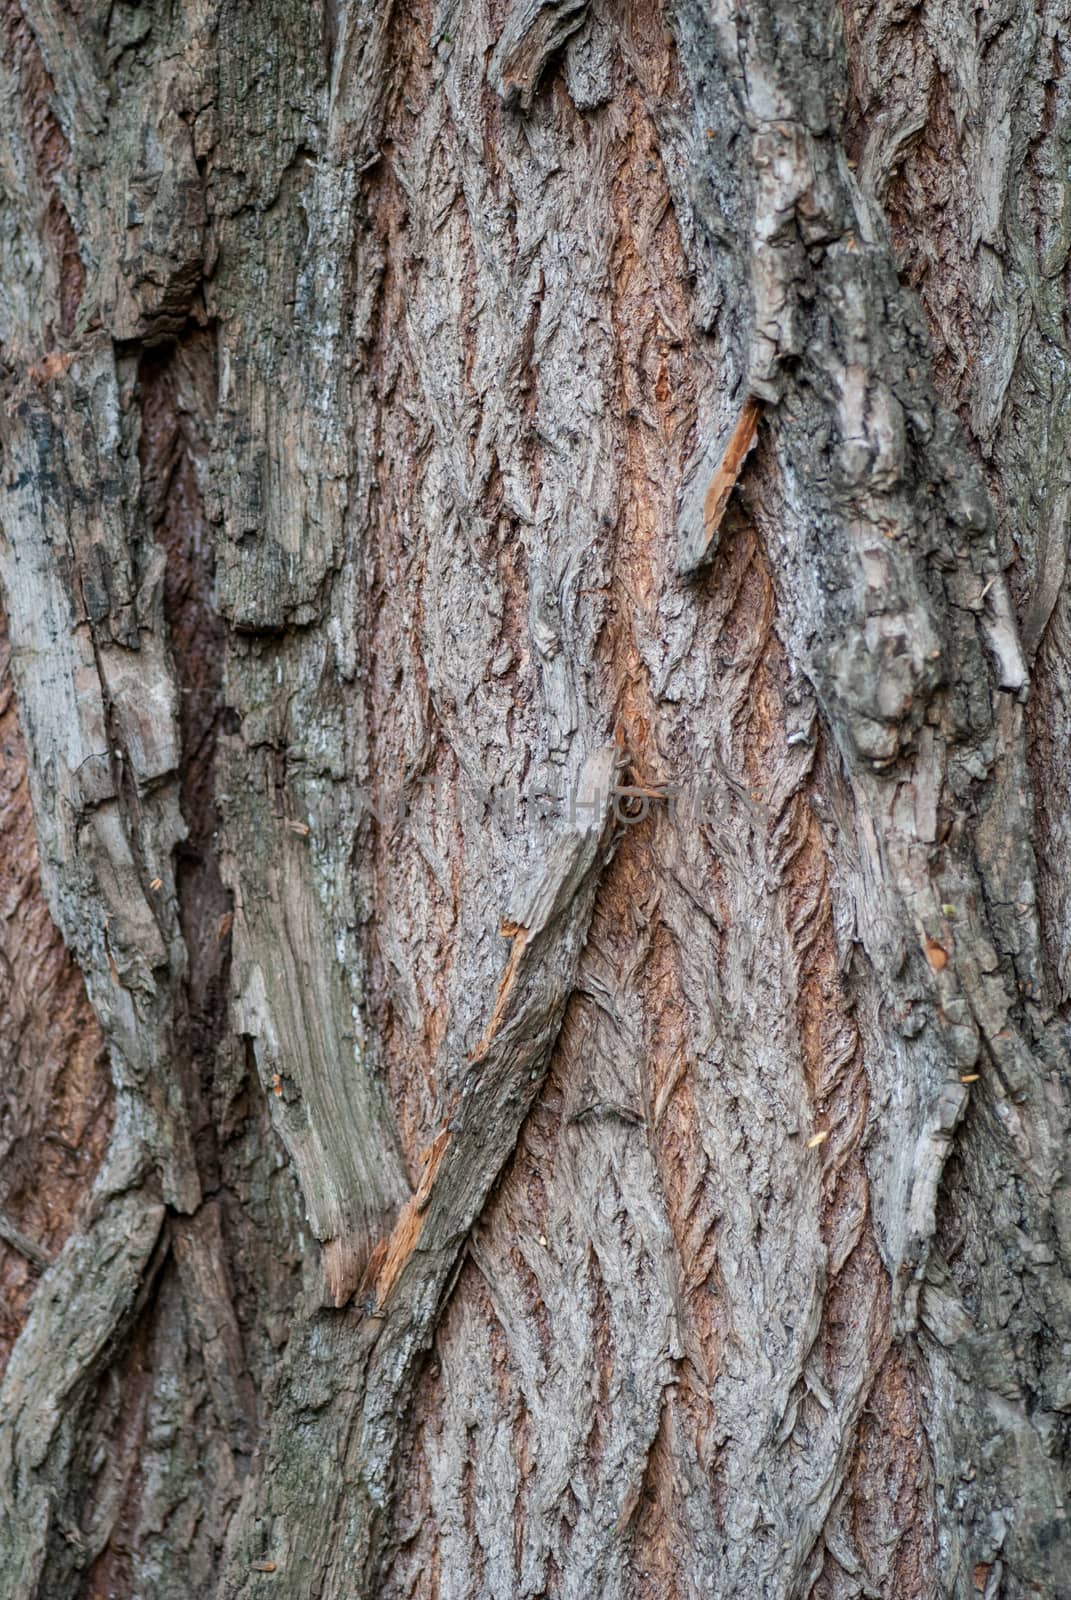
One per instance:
(608,1109)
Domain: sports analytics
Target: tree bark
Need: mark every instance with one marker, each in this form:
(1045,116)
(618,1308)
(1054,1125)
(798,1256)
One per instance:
(534,545)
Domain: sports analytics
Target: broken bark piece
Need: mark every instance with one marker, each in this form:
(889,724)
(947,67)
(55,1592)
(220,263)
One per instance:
(408,1228)
(547,920)
(533,32)
(699,534)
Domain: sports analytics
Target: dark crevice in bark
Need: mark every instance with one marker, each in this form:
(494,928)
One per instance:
(184,1345)
(1048,746)
(177,386)
(128,1387)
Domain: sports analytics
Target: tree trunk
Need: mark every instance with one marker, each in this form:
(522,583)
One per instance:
(534,548)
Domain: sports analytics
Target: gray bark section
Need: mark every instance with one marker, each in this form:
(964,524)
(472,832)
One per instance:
(591,1309)
(884,549)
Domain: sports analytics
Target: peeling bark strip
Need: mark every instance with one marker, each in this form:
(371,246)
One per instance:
(699,550)
(540,907)
(377,386)
(409,1280)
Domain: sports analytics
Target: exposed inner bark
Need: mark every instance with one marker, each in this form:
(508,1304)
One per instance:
(57,1096)
(51,154)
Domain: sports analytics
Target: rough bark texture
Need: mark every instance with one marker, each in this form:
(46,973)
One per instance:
(534,540)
